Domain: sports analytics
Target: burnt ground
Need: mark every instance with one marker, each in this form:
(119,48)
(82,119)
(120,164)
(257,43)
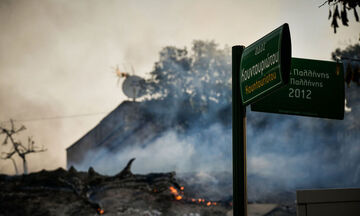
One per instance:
(61,192)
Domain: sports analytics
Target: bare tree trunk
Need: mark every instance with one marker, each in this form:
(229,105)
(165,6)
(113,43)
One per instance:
(25,165)
(15,166)
(18,148)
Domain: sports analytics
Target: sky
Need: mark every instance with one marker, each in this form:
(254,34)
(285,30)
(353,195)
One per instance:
(57,57)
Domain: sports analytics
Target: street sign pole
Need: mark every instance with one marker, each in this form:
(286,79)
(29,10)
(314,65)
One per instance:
(260,77)
(257,71)
(239,138)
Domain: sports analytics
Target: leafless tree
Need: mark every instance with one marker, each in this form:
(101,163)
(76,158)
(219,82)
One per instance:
(17,148)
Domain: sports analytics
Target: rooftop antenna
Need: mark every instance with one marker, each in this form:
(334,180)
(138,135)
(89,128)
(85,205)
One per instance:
(120,74)
(133,86)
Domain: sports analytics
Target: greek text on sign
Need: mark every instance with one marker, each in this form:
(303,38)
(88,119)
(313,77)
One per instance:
(265,65)
(316,88)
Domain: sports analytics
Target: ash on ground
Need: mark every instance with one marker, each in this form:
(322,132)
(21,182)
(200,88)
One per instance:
(71,192)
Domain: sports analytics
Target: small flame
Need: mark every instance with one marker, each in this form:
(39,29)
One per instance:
(178,195)
(100,211)
(203,201)
(173,190)
(175,193)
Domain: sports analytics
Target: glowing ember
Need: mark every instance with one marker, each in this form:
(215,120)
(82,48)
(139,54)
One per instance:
(173,190)
(175,193)
(178,195)
(100,211)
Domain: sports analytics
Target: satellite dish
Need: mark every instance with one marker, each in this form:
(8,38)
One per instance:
(133,86)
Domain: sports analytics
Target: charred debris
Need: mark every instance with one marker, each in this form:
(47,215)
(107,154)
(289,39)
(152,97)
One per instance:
(72,192)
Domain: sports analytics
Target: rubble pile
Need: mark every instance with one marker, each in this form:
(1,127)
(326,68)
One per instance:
(72,192)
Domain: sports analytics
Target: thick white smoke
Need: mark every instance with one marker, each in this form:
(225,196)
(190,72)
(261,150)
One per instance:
(285,153)
(200,151)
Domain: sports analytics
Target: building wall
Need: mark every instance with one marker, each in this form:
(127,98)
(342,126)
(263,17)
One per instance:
(127,125)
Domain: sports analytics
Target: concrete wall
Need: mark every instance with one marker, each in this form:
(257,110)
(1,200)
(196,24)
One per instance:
(328,202)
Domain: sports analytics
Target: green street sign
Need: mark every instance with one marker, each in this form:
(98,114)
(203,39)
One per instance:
(265,65)
(316,88)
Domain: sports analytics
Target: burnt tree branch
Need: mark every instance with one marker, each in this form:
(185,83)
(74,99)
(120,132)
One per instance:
(17,147)
(126,172)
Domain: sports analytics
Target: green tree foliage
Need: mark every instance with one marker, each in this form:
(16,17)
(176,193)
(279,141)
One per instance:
(169,73)
(350,52)
(338,10)
(200,77)
(351,58)
(196,84)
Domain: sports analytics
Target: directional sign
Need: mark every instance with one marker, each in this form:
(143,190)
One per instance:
(316,88)
(265,65)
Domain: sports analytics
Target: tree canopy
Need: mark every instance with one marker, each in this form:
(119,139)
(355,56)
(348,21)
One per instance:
(351,58)
(198,81)
(201,76)
(350,52)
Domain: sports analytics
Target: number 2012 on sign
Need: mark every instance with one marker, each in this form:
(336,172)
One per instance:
(300,93)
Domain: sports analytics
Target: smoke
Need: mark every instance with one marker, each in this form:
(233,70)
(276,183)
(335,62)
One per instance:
(293,152)
(201,157)
(53,57)
(201,151)
(15,103)
(56,59)
(284,153)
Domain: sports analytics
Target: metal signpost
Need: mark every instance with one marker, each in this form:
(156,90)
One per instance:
(260,74)
(257,71)
(239,138)
(316,89)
